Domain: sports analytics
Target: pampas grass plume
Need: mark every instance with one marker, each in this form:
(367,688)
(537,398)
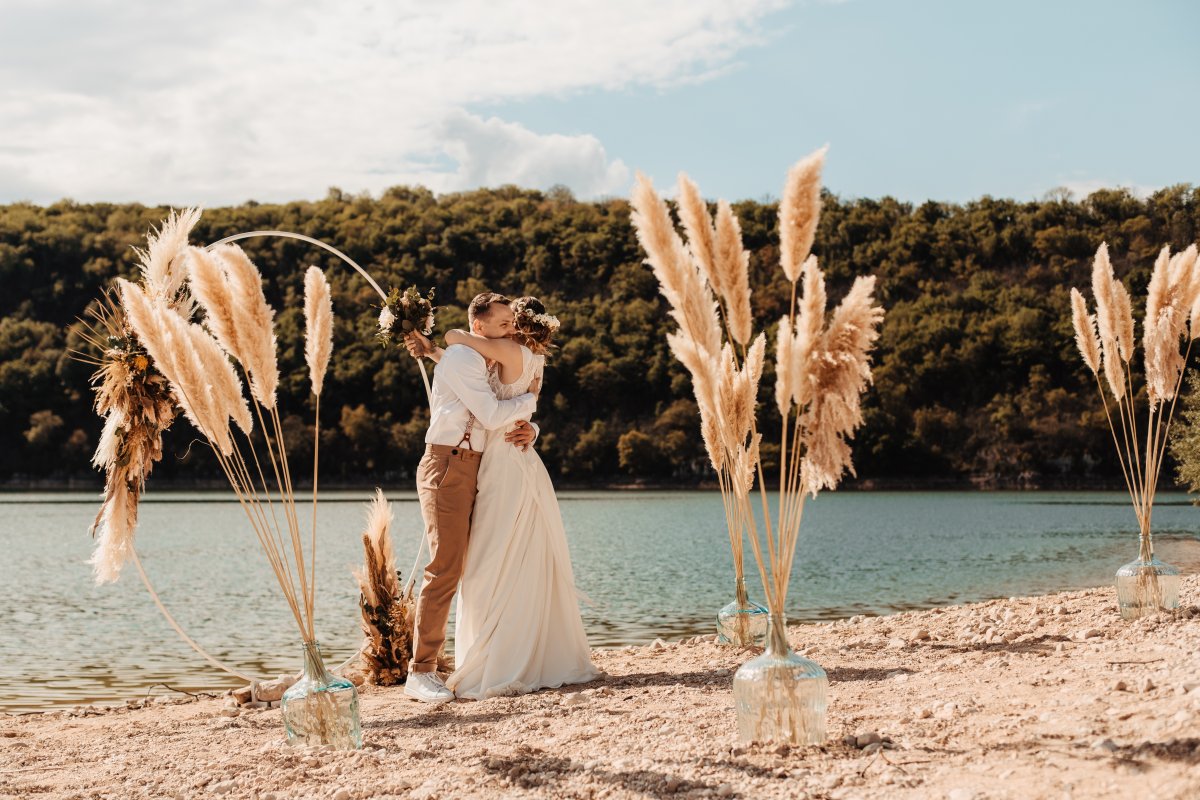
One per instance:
(1123,313)
(1156,292)
(733,266)
(254,321)
(1085,331)
(841,370)
(809,323)
(785,389)
(378,546)
(225,386)
(692,305)
(799,211)
(114,546)
(318,326)
(698,224)
(210,286)
(1102,280)
(161,262)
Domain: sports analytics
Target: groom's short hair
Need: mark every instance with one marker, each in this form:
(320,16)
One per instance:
(481,305)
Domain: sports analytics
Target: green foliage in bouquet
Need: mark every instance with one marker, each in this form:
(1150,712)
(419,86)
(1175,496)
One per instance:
(410,309)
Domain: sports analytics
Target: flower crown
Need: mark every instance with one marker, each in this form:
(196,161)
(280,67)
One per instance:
(548,320)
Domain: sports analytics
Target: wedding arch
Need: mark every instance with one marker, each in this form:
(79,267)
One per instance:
(137,562)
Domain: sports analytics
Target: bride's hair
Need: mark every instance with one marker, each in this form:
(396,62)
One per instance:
(532,326)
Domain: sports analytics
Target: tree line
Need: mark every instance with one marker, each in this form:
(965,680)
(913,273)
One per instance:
(976,377)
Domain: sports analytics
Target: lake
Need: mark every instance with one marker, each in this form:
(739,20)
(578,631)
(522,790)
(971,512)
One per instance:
(654,563)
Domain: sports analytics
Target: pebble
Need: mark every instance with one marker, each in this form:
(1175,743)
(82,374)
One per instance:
(921,636)
(1146,685)
(1120,686)
(658,644)
(223,787)
(1105,744)
(946,711)
(724,790)
(573,699)
(896,643)
(426,791)
(342,794)
(924,713)
(960,794)
(864,738)
(230,712)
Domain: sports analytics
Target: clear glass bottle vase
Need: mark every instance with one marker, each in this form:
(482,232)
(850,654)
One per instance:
(1147,585)
(321,708)
(742,623)
(780,696)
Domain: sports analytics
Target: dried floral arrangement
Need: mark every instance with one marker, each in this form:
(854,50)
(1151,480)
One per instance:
(132,394)
(387,611)
(1107,343)
(822,361)
(192,364)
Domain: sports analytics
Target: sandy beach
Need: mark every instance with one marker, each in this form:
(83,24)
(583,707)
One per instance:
(1044,697)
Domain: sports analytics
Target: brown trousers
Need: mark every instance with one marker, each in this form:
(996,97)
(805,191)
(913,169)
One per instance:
(446,483)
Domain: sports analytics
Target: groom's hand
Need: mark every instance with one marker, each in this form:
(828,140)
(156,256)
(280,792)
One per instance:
(522,435)
(417,345)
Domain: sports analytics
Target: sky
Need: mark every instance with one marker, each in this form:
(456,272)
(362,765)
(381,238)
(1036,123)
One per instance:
(225,101)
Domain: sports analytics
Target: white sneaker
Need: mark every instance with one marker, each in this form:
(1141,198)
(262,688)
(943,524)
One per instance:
(427,687)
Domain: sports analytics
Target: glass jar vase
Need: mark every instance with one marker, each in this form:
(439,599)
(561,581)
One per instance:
(742,623)
(1147,585)
(321,708)
(780,696)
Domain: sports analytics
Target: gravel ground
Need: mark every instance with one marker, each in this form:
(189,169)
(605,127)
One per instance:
(1051,697)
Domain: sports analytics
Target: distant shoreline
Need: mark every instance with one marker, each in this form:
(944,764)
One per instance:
(393,482)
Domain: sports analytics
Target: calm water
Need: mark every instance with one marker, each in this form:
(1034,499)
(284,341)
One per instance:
(655,563)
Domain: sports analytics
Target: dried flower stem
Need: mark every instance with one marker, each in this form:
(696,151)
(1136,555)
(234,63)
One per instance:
(1171,294)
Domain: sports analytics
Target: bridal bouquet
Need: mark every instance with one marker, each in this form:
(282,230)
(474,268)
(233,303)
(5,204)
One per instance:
(415,313)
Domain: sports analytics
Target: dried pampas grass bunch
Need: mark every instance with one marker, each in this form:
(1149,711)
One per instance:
(711,342)
(205,340)
(161,362)
(822,358)
(1106,345)
(387,612)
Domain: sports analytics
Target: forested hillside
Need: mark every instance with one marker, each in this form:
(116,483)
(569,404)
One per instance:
(976,375)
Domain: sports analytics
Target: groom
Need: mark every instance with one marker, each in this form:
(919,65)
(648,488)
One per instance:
(446,477)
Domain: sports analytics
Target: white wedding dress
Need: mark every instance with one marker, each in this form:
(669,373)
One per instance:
(517,625)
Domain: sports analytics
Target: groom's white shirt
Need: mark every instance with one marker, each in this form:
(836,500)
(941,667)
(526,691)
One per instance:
(460,388)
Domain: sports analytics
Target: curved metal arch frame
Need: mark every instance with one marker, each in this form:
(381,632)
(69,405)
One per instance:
(137,562)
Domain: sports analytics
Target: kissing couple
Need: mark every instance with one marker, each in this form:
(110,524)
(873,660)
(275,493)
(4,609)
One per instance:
(491,516)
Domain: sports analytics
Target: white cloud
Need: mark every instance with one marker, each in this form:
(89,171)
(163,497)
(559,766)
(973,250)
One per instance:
(279,100)
(492,152)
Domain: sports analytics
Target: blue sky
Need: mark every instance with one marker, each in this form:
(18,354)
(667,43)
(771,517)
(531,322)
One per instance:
(276,100)
(923,99)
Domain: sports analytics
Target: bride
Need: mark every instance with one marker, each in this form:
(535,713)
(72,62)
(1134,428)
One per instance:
(517,626)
